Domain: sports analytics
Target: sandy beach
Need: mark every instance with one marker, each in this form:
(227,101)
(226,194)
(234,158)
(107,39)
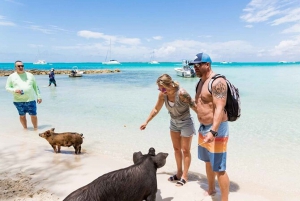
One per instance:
(31,171)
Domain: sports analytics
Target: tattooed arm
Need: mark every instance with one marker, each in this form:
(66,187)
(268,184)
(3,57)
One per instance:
(219,96)
(186,98)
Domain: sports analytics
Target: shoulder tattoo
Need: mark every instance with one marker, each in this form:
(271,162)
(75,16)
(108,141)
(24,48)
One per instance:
(219,90)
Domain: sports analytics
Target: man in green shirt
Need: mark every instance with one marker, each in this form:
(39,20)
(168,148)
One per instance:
(24,88)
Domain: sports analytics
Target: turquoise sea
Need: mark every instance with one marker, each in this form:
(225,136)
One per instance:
(263,148)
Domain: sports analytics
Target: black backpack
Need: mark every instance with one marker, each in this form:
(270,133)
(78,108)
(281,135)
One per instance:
(233,102)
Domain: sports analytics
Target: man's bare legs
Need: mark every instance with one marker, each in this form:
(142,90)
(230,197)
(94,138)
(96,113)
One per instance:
(23,121)
(210,179)
(34,121)
(223,180)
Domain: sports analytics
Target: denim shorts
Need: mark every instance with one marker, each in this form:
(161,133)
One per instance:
(216,151)
(185,127)
(26,107)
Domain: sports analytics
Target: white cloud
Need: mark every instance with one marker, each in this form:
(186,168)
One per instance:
(260,11)
(91,34)
(279,11)
(290,48)
(5,23)
(108,38)
(249,26)
(205,36)
(157,37)
(290,15)
(38,28)
(293,29)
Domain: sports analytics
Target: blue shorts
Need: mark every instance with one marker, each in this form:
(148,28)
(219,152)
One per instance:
(26,107)
(214,152)
(185,127)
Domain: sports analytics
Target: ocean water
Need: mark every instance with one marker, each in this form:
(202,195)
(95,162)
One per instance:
(263,147)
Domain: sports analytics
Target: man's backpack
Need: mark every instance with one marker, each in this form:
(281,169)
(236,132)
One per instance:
(233,102)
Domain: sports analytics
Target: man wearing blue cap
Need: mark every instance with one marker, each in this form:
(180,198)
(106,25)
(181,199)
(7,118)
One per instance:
(213,132)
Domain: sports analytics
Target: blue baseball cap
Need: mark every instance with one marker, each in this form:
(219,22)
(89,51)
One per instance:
(200,58)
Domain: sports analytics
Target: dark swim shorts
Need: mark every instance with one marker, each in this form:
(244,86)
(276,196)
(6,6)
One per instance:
(26,107)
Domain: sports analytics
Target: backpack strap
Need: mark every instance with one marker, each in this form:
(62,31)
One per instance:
(216,76)
(197,85)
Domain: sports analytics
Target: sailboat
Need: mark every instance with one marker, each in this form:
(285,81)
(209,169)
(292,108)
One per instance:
(111,61)
(152,61)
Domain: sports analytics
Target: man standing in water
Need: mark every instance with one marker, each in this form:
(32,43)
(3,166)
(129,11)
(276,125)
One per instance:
(213,131)
(24,89)
(52,77)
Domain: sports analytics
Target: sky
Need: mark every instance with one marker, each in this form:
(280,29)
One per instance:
(135,30)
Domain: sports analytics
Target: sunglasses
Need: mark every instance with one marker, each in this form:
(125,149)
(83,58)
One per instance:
(199,65)
(19,66)
(162,89)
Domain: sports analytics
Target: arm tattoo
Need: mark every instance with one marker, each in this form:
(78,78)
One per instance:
(186,98)
(219,90)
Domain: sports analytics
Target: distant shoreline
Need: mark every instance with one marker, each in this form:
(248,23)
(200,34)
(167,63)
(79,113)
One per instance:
(57,72)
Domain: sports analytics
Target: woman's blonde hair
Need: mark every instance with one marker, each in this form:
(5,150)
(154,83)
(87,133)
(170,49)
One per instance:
(166,81)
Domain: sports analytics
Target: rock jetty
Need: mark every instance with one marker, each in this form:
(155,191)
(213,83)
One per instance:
(57,72)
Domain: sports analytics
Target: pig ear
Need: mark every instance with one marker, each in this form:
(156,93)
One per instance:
(48,133)
(52,129)
(137,156)
(160,159)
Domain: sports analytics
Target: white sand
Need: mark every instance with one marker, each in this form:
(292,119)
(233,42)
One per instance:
(29,170)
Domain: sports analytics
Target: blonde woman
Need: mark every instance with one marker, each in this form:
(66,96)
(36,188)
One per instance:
(178,102)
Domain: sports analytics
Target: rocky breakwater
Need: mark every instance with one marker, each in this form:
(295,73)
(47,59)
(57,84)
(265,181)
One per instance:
(57,72)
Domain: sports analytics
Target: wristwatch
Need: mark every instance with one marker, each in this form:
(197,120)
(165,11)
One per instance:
(214,133)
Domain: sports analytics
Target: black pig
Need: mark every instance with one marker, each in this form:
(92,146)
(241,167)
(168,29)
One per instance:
(135,183)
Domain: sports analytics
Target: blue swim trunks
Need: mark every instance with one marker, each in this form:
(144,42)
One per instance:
(214,152)
(26,107)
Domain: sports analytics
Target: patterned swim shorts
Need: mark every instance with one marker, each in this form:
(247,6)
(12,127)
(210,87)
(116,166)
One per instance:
(214,152)
(26,107)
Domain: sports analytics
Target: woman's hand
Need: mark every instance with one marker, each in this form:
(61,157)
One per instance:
(143,126)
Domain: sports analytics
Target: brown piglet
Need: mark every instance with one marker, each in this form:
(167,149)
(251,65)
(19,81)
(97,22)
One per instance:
(65,139)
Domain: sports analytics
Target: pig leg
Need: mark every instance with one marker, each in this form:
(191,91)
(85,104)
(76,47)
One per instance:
(79,148)
(151,197)
(54,148)
(58,147)
(76,149)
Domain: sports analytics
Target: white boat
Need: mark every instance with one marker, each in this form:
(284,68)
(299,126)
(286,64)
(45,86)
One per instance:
(152,61)
(40,62)
(75,72)
(185,70)
(111,61)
